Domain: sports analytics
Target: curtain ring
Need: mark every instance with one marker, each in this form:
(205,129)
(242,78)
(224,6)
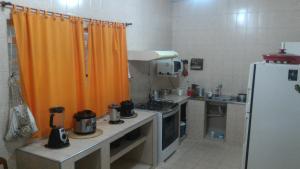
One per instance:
(54,16)
(27,10)
(14,8)
(45,14)
(62,17)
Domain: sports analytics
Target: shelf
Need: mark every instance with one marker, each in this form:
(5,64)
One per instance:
(125,147)
(215,115)
(129,164)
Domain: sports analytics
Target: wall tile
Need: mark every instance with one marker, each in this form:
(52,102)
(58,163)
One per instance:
(236,34)
(151,30)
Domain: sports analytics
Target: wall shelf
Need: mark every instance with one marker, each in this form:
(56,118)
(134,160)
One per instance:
(126,146)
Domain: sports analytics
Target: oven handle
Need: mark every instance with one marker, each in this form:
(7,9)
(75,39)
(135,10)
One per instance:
(171,113)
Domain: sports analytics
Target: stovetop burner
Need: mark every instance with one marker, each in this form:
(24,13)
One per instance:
(162,106)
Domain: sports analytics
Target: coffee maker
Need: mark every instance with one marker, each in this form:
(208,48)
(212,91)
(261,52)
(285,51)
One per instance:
(58,137)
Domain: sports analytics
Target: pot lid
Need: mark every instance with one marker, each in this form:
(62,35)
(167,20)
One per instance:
(85,114)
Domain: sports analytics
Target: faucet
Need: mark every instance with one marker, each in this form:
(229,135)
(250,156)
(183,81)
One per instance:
(218,90)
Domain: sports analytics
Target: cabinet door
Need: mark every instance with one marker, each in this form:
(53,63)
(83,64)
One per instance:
(235,124)
(195,119)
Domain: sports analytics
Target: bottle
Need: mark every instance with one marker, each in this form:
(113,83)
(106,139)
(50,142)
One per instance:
(212,134)
(189,91)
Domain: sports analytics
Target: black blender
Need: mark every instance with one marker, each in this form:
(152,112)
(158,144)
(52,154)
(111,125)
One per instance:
(58,137)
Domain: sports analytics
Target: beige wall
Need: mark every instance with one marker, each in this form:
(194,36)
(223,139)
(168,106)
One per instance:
(230,34)
(151,30)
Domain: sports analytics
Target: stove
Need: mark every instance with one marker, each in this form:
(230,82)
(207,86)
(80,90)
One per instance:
(161,106)
(168,126)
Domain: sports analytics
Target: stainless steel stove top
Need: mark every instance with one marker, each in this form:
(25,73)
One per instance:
(161,106)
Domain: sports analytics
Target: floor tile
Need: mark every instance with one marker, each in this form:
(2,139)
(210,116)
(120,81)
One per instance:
(204,154)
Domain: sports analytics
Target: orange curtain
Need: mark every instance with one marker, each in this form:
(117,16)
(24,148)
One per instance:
(51,60)
(107,66)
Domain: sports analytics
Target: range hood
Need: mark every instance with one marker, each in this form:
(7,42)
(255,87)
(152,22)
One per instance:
(151,55)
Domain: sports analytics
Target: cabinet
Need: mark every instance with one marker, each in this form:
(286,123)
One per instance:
(195,119)
(97,153)
(235,124)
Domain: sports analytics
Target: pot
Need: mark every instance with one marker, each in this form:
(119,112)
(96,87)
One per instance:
(164,92)
(114,113)
(242,97)
(127,108)
(85,122)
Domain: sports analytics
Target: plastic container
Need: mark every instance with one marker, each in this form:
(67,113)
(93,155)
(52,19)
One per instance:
(219,135)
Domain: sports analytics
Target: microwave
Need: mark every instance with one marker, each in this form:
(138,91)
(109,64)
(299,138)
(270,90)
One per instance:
(169,67)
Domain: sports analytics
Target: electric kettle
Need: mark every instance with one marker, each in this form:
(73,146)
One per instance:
(114,113)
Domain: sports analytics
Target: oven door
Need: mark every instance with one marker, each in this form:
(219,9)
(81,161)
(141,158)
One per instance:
(170,128)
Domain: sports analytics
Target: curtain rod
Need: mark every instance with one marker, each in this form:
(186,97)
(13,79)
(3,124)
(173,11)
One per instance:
(10,5)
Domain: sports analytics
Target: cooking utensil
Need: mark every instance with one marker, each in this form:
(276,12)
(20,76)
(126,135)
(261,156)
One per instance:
(164,92)
(242,97)
(114,113)
(85,122)
(127,108)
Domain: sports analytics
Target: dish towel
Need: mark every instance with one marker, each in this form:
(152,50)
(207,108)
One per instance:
(21,121)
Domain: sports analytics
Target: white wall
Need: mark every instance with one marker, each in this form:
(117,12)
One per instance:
(151,30)
(230,34)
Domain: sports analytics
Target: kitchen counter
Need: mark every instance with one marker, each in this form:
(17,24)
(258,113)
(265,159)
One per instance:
(79,148)
(220,101)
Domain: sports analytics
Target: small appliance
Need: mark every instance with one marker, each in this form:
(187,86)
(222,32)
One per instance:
(169,67)
(58,137)
(85,122)
(114,114)
(127,108)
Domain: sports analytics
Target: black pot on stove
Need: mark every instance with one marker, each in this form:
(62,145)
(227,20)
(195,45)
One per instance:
(127,108)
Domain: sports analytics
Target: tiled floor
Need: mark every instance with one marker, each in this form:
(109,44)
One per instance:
(204,154)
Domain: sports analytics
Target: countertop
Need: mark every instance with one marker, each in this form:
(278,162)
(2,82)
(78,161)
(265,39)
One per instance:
(81,145)
(180,99)
(220,101)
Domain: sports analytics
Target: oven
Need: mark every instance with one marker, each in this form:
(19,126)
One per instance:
(168,126)
(168,133)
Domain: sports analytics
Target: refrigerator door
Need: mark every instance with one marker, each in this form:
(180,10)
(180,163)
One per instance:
(248,110)
(274,138)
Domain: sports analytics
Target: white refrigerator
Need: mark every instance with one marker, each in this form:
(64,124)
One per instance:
(273,117)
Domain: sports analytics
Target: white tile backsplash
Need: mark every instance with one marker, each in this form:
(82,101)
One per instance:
(228,34)
(231,34)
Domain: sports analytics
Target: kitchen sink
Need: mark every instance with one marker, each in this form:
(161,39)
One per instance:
(223,98)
